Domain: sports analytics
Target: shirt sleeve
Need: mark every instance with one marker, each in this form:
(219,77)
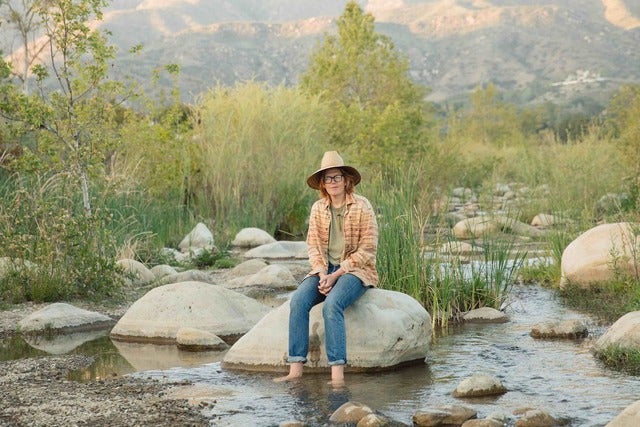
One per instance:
(367,243)
(313,241)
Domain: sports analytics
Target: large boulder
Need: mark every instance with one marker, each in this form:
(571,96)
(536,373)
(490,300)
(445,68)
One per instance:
(160,313)
(487,225)
(200,238)
(251,237)
(279,250)
(62,317)
(136,271)
(624,333)
(630,417)
(272,276)
(384,329)
(599,254)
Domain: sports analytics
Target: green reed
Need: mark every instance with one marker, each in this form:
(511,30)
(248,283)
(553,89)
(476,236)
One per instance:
(444,282)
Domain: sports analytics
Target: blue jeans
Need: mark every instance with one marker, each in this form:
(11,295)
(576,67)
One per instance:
(347,289)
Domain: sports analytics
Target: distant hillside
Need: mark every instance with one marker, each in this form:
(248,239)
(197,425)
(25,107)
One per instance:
(533,50)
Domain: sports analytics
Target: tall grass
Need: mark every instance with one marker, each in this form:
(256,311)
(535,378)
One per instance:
(55,250)
(442,282)
(255,147)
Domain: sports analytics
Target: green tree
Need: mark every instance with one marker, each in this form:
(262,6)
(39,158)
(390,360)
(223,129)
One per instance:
(623,118)
(378,111)
(491,120)
(68,124)
(22,16)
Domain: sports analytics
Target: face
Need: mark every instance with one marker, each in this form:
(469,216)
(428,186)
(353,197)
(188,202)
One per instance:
(334,188)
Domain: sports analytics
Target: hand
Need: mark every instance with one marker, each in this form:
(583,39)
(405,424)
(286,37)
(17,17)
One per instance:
(326,283)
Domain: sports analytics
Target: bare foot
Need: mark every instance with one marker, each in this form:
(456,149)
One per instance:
(287,378)
(337,376)
(295,372)
(336,384)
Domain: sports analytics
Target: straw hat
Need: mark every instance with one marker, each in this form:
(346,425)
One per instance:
(330,160)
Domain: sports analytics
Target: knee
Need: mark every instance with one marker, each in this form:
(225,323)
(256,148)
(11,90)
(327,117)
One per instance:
(331,310)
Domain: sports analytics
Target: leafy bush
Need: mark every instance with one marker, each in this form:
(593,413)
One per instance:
(64,253)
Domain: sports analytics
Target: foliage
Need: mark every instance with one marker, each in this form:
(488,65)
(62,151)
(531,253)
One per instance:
(620,358)
(55,252)
(69,121)
(158,149)
(377,112)
(546,270)
(254,148)
(438,279)
(623,117)
(492,121)
(609,301)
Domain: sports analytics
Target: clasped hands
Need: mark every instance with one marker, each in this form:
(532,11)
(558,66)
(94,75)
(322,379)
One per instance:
(326,283)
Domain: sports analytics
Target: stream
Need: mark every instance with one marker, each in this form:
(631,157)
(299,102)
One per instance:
(559,376)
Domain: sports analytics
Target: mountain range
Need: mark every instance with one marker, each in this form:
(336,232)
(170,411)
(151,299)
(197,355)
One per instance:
(565,51)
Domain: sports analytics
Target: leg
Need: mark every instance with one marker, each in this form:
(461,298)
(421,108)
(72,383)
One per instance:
(346,291)
(302,300)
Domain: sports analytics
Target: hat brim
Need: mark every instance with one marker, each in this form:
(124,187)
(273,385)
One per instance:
(314,180)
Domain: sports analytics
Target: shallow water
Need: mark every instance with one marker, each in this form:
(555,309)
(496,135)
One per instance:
(561,377)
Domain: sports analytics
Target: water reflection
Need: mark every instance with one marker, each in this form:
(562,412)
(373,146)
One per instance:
(64,343)
(147,357)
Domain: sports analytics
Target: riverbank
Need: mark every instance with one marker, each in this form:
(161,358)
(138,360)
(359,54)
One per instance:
(37,391)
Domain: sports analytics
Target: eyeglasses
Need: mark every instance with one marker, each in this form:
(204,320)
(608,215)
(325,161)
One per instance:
(337,178)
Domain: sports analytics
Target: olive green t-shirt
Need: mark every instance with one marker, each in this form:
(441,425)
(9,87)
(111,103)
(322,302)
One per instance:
(336,235)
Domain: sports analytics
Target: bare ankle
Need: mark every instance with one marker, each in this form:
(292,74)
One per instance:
(295,371)
(337,375)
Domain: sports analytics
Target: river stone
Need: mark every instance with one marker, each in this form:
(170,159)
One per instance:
(479,385)
(251,237)
(589,258)
(565,329)
(64,317)
(141,274)
(459,248)
(272,276)
(279,250)
(250,266)
(192,339)
(198,239)
(161,312)
(485,315)
(490,224)
(629,417)
(162,270)
(544,220)
(188,276)
(624,333)
(486,422)
(378,420)
(475,227)
(350,413)
(536,418)
(448,415)
(384,329)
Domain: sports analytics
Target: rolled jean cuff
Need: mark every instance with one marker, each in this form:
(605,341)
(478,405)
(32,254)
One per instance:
(338,362)
(296,359)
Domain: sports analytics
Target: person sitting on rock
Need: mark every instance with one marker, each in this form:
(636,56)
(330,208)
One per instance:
(342,242)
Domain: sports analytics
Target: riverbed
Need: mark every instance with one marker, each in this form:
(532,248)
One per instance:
(560,377)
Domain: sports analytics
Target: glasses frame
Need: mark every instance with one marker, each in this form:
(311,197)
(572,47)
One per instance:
(328,179)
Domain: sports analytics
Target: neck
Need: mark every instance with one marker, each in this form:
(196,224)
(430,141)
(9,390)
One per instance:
(338,202)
